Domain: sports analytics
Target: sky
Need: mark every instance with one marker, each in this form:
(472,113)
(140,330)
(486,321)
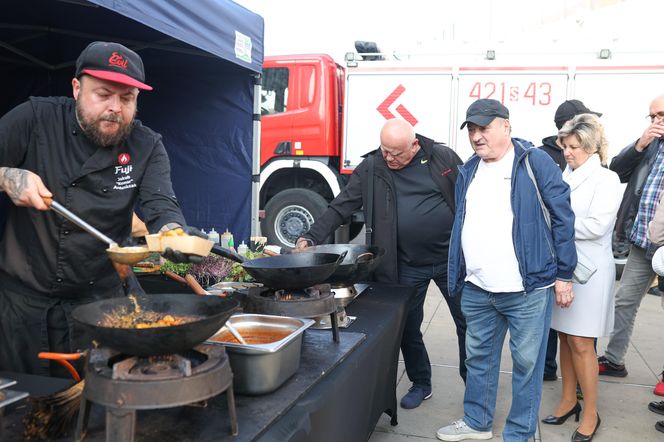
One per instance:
(434,26)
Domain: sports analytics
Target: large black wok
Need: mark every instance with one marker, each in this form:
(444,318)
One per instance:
(213,310)
(359,262)
(292,272)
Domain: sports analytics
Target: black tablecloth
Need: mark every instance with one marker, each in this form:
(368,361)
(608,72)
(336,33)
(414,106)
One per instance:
(343,403)
(346,405)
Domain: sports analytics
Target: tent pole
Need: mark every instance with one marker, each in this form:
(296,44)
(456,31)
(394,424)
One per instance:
(256,156)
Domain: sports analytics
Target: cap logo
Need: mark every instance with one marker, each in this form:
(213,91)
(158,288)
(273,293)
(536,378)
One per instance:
(124,158)
(117,60)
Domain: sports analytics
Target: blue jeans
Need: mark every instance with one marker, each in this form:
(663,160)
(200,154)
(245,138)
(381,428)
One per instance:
(489,316)
(416,358)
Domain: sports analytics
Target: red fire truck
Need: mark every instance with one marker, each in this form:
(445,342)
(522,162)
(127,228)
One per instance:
(319,118)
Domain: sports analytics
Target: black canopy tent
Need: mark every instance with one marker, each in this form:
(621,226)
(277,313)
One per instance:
(201,57)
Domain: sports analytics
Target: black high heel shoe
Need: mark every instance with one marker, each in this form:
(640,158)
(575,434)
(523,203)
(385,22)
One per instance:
(580,437)
(559,420)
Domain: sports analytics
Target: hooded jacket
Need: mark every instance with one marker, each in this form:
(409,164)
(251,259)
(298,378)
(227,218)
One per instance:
(550,146)
(543,254)
(442,162)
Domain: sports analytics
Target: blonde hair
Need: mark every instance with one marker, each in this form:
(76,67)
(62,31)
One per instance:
(590,133)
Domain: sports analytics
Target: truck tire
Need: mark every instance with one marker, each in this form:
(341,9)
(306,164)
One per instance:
(289,214)
(355,229)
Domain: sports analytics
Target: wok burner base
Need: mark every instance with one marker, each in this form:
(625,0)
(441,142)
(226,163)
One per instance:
(123,384)
(312,302)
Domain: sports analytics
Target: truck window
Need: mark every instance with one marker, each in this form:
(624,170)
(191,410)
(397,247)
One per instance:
(274,93)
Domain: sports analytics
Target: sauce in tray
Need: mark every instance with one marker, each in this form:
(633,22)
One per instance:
(252,335)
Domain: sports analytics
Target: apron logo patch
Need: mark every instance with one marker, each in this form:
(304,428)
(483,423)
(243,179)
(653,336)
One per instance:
(123,179)
(124,158)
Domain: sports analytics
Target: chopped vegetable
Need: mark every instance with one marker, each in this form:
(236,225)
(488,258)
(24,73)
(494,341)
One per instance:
(180,269)
(211,270)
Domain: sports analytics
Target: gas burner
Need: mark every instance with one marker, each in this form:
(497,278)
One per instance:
(296,295)
(154,367)
(124,384)
(311,302)
(344,295)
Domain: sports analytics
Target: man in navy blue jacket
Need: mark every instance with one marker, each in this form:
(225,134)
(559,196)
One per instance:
(507,263)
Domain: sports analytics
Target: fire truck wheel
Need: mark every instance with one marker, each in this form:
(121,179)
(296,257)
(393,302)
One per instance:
(289,214)
(355,229)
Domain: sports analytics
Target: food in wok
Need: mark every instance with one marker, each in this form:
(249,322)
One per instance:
(122,317)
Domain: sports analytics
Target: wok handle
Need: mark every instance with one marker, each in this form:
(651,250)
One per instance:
(175,277)
(269,252)
(62,359)
(364,257)
(195,286)
(227,253)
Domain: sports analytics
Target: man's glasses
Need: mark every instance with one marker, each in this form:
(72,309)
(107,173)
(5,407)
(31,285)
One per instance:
(658,116)
(393,155)
(386,152)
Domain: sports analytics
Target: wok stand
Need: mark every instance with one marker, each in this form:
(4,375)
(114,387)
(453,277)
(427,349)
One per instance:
(265,300)
(124,386)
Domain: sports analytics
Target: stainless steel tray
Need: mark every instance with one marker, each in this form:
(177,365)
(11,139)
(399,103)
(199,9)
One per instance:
(262,368)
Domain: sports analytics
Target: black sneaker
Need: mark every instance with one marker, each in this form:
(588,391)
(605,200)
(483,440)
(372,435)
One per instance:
(550,377)
(659,426)
(608,368)
(656,407)
(654,290)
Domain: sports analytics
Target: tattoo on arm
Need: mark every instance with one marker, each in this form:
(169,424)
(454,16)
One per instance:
(13,181)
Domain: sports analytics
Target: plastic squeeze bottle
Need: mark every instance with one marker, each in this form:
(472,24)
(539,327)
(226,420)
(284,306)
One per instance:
(227,239)
(242,249)
(213,236)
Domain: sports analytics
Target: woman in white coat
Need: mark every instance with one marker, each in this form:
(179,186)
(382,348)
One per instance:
(595,199)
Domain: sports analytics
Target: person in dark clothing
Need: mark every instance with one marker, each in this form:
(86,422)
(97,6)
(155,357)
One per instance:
(565,112)
(413,210)
(91,155)
(641,165)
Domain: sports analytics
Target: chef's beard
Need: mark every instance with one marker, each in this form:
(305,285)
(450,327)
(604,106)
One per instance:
(90,127)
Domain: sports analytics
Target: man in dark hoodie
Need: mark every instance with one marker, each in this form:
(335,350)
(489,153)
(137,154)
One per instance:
(565,112)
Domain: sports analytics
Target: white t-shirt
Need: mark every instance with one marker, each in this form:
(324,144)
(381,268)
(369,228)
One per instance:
(486,238)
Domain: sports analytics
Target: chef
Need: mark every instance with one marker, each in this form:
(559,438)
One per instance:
(91,155)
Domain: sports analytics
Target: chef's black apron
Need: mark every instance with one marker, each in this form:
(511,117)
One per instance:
(31,323)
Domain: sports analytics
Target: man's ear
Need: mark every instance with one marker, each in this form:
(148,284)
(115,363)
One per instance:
(75,87)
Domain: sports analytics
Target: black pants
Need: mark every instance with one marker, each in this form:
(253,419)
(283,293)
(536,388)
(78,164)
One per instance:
(550,364)
(416,358)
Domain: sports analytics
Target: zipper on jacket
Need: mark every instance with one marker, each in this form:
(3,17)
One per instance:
(461,265)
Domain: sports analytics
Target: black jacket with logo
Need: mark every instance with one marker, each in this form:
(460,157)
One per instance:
(102,185)
(443,163)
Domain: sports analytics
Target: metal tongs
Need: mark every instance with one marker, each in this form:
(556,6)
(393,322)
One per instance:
(121,255)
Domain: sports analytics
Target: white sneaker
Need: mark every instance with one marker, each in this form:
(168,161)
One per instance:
(460,431)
